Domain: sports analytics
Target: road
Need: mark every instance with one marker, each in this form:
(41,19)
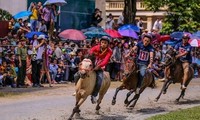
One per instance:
(57,103)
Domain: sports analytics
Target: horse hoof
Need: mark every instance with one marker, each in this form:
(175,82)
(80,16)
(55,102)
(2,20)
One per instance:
(126,102)
(113,102)
(77,116)
(97,112)
(156,100)
(177,101)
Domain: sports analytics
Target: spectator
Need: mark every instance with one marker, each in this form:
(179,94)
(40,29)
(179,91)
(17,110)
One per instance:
(34,16)
(36,62)
(140,25)
(109,22)
(96,17)
(43,27)
(120,21)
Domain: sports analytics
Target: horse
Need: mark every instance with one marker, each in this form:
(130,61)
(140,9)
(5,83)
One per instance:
(130,83)
(86,84)
(174,73)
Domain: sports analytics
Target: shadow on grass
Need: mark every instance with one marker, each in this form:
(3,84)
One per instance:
(152,110)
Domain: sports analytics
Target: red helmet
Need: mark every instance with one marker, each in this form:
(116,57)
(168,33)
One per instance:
(186,36)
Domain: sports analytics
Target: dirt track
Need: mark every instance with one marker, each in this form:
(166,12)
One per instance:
(57,103)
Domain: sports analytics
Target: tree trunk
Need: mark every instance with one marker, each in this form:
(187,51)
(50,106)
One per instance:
(129,11)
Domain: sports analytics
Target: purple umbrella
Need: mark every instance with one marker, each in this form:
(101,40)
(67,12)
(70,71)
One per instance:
(128,33)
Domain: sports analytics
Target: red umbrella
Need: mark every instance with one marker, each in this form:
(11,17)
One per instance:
(195,42)
(113,33)
(164,38)
(72,34)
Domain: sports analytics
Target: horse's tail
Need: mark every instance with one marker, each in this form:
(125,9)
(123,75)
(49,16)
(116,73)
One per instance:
(152,84)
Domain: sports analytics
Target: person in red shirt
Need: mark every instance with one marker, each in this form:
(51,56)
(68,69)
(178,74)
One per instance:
(102,54)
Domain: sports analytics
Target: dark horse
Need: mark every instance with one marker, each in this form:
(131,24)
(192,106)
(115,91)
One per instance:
(130,83)
(174,73)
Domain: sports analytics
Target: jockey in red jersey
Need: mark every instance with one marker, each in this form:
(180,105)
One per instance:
(102,54)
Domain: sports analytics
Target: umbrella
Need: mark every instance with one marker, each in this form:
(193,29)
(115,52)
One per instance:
(129,26)
(195,42)
(92,29)
(196,35)
(57,2)
(171,42)
(29,35)
(22,14)
(164,38)
(72,34)
(98,34)
(113,33)
(128,33)
(177,35)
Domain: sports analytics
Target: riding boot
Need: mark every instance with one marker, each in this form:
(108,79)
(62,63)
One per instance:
(76,77)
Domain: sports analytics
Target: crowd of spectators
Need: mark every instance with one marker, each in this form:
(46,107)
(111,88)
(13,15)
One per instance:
(37,60)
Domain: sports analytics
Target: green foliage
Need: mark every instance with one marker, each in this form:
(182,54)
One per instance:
(187,114)
(182,15)
(4,15)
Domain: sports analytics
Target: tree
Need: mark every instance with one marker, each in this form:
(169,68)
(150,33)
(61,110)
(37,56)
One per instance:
(182,15)
(129,11)
(4,15)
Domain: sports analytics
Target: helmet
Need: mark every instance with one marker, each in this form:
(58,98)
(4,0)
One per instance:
(186,36)
(148,35)
(106,38)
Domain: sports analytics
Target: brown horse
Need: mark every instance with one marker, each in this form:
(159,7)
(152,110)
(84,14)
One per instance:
(86,84)
(174,73)
(130,83)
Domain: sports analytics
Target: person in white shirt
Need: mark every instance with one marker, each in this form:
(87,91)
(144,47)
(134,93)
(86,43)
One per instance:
(120,21)
(157,24)
(109,22)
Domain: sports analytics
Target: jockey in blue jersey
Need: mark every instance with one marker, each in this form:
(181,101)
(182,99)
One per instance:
(184,54)
(145,53)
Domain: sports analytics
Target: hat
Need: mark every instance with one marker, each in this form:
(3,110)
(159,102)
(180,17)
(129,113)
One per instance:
(41,37)
(23,39)
(187,36)
(72,53)
(148,35)
(106,38)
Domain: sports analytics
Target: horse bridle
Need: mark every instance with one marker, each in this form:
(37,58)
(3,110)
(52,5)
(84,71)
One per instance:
(85,68)
(170,63)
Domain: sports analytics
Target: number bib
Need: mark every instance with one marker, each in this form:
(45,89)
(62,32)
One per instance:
(143,55)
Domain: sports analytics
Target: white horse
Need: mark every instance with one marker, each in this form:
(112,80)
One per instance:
(86,84)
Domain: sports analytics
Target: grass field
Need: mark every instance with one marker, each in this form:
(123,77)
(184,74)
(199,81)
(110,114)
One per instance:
(186,114)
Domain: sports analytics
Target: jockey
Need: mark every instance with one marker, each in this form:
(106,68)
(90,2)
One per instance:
(144,58)
(102,53)
(184,54)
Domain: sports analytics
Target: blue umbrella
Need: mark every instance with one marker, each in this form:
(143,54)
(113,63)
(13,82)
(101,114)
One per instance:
(22,14)
(177,35)
(171,42)
(129,26)
(98,34)
(196,35)
(57,2)
(30,34)
(93,29)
